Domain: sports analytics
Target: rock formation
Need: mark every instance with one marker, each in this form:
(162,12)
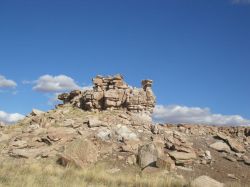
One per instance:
(112,93)
(112,123)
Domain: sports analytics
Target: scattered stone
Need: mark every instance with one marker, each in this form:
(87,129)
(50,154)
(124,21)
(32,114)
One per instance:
(36,112)
(76,125)
(131,160)
(141,119)
(246,160)
(124,133)
(207,181)
(53,138)
(104,134)
(181,157)
(165,162)
(25,153)
(65,161)
(130,146)
(68,123)
(208,155)
(232,176)
(154,129)
(184,168)
(32,128)
(19,144)
(230,158)
(46,140)
(123,116)
(95,122)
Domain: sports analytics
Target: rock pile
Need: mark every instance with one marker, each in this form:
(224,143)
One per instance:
(113,93)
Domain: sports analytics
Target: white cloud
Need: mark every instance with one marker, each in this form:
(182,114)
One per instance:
(241,1)
(6,83)
(10,118)
(60,83)
(195,115)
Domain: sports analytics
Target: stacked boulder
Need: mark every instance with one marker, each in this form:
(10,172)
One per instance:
(113,93)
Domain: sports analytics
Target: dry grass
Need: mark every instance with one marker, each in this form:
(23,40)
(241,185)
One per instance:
(41,174)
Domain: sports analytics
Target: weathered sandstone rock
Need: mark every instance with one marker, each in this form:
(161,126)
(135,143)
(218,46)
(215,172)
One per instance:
(205,181)
(234,144)
(165,162)
(147,155)
(112,93)
(220,146)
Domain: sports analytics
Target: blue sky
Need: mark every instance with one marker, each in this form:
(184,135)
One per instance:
(196,51)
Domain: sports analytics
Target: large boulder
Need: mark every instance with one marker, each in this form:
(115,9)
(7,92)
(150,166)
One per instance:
(79,153)
(147,155)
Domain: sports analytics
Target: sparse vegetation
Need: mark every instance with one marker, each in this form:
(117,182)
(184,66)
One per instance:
(41,174)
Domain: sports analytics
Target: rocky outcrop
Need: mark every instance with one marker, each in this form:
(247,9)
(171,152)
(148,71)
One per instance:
(113,93)
(112,123)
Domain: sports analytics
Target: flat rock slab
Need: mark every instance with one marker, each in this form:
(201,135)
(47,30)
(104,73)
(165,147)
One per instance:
(205,181)
(25,153)
(235,145)
(220,146)
(182,155)
(95,122)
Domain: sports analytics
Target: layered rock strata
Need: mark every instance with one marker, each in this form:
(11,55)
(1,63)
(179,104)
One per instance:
(111,93)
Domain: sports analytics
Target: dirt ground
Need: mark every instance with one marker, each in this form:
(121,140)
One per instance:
(220,167)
